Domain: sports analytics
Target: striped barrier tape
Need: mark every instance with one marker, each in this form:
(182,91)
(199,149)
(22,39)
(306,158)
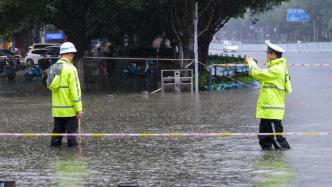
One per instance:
(297,65)
(311,65)
(175,134)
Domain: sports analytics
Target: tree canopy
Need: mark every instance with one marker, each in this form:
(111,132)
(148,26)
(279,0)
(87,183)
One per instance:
(213,15)
(83,20)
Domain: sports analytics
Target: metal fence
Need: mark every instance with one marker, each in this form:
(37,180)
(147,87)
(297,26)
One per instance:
(300,47)
(125,74)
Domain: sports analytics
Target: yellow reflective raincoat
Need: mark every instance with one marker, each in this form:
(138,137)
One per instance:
(66,91)
(275,84)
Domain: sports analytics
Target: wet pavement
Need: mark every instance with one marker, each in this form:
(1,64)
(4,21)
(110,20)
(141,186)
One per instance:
(175,161)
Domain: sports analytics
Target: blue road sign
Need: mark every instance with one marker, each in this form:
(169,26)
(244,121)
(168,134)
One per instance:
(297,15)
(54,36)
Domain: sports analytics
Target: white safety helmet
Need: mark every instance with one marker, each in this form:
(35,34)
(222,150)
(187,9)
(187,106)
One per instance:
(67,47)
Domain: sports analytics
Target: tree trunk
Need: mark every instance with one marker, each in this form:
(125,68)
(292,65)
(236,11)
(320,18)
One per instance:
(203,51)
(181,55)
(188,52)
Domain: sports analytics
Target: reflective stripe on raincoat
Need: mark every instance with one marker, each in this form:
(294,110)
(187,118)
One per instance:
(66,91)
(275,84)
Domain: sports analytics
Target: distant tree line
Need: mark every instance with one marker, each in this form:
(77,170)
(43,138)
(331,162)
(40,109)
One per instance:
(273,24)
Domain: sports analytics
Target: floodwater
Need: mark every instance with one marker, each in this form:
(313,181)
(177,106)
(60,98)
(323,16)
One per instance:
(175,161)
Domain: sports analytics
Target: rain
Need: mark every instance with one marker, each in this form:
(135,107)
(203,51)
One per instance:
(140,129)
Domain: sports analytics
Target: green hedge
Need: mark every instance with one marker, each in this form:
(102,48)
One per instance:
(217,59)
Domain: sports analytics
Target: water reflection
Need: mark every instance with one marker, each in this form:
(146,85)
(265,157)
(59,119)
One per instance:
(173,161)
(69,167)
(274,169)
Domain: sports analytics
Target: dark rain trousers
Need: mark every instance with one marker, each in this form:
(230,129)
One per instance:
(266,141)
(64,125)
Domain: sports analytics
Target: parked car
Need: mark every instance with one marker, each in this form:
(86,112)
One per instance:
(52,51)
(49,56)
(33,56)
(231,48)
(42,45)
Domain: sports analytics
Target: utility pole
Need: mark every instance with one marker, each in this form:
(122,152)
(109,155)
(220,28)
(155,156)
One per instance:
(196,45)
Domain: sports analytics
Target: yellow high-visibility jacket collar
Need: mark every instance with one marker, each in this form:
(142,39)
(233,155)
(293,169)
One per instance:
(271,63)
(66,60)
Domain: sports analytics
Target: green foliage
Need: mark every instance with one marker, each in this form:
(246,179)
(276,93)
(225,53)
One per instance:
(213,15)
(83,20)
(217,59)
(203,79)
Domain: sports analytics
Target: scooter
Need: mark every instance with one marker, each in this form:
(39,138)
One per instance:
(40,69)
(133,70)
(35,71)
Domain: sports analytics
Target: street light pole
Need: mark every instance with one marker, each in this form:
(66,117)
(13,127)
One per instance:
(196,46)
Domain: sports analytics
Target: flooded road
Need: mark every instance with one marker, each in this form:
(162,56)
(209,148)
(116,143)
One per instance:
(175,161)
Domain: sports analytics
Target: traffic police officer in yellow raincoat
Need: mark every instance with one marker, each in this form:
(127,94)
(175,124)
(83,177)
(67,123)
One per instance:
(63,81)
(275,84)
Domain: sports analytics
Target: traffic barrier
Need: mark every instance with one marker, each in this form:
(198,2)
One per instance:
(174,134)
